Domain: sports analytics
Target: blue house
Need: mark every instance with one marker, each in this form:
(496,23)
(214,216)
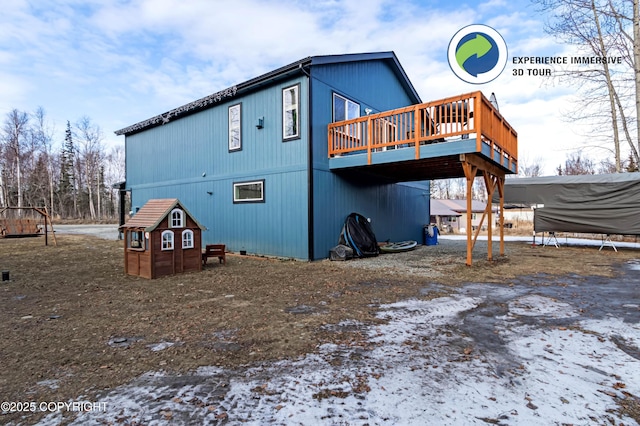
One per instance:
(262,169)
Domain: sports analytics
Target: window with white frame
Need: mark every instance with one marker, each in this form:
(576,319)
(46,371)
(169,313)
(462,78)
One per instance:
(176,219)
(235,124)
(344,109)
(291,112)
(187,239)
(248,192)
(167,240)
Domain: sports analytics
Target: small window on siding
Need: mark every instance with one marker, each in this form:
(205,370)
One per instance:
(344,109)
(176,219)
(235,127)
(291,112)
(167,240)
(248,192)
(187,239)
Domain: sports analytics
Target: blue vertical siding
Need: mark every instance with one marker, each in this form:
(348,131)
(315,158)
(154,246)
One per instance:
(372,84)
(397,211)
(189,158)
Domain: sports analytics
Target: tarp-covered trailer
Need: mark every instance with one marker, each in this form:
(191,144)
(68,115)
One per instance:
(600,204)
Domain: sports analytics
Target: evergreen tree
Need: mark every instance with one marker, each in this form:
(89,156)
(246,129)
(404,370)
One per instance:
(632,166)
(66,188)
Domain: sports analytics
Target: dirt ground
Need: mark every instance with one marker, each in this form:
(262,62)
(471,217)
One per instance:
(73,324)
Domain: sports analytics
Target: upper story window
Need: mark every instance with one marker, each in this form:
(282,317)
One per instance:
(187,238)
(167,240)
(291,112)
(248,192)
(235,127)
(344,109)
(176,219)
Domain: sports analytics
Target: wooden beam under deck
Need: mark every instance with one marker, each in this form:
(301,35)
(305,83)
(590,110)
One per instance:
(493,179)
(468,166)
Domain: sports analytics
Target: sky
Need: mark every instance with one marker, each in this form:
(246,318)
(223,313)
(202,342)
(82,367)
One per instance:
(120,62)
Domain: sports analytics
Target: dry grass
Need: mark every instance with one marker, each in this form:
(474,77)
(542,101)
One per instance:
(64,306)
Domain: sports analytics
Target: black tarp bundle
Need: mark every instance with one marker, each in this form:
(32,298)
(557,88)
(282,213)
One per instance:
(357,234)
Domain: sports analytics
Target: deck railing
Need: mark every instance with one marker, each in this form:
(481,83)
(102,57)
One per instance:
(464,117)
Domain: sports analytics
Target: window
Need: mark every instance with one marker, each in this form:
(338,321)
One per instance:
(176,219)
(135,240)
(344,109)
(248,192)
(290,113)
(235,124)
(167,240)
(187,238)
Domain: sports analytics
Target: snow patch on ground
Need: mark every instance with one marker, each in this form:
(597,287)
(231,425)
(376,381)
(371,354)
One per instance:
(536,305)
(418,365)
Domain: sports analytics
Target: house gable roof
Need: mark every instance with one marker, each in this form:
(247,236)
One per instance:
(154,212)
(269,78)
(456,206)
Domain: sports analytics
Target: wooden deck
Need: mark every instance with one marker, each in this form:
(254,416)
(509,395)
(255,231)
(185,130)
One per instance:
(461,136)
(388,145)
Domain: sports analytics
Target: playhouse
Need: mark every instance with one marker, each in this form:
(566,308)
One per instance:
(162,238)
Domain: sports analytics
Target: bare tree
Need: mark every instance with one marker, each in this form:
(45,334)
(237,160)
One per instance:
(577,164)
(599,29)
(627,16)
(15,142)
(530,168)
(91,157)
(42,133)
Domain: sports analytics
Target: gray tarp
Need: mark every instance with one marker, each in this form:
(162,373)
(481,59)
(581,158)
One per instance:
(605,204)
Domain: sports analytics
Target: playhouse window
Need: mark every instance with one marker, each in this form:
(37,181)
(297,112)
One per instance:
(235,132)
(187,239)
(248,192)
(135,240)
(290,112)
(344,109)
(167,240)
(176,219)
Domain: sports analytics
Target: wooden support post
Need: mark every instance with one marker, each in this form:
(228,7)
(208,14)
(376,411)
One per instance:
(501,194)
(493,178)
(470,174)
(489,183)
(53,234)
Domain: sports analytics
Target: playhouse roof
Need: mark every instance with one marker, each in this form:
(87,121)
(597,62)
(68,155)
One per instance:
(153,212)
(269,78)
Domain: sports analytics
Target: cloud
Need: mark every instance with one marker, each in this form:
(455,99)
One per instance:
(123,61)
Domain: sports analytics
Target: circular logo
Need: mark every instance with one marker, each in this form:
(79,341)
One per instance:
(477,54)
